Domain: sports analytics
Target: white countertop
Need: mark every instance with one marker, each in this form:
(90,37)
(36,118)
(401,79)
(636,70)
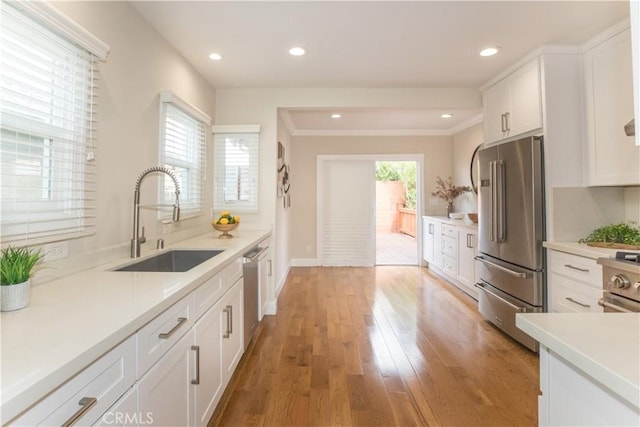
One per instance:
(72,321)
(605,346)
(582,249)
(464,221)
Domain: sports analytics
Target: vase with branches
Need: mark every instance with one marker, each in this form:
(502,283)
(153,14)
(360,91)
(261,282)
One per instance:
(448,192)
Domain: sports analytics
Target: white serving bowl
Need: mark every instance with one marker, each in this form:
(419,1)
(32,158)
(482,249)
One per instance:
(456,215)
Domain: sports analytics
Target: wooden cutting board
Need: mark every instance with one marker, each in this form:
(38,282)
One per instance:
(613,245)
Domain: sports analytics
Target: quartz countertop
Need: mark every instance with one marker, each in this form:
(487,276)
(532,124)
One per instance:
(463,222)
(72,321)
(582,249)
(605,346)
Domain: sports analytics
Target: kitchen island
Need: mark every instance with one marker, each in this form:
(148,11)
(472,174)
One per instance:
(73,321)
(589,367)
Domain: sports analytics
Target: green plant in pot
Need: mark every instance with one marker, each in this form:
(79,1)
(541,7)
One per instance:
(16,268)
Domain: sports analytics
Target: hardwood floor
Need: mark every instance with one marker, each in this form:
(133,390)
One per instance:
(380,346)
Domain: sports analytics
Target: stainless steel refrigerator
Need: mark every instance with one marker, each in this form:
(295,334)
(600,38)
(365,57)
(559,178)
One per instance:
(510,233)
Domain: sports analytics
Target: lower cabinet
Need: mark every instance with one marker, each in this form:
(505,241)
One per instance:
(450,249)
(570,397)
(574,283)
(165,391)
(232,343)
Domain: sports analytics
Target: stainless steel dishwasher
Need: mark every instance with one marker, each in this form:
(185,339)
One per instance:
(251,260)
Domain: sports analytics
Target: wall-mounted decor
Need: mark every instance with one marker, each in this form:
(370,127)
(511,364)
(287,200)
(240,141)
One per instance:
(283,177)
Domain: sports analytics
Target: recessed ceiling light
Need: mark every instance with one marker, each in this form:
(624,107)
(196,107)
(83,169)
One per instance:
(297,51)
(446,116)
(490,51)
(336,116)
(215,56)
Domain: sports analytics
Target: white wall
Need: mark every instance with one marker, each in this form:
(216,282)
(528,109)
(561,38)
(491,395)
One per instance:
(140,65)
(464,144)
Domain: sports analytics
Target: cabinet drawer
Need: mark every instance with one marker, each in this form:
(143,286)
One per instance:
(96,388)
(208,293)
(450,265)
(570,296)
(156,337)
(449,230)
(232,273)
(575,267)
(449,246)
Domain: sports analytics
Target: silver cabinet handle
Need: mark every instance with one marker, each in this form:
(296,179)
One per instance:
(270,268)
(501,268)
(230,307)
(584,270)
(506,122)
(469,240)
(227,332)
(85,403)
(503,127)
(430,228)
(577,302)
(166,335)
(196,348)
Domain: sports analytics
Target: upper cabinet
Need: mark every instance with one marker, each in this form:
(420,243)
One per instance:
(613,157)
(512,106)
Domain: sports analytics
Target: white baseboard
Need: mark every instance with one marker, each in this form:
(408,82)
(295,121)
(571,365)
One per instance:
(272,307)
(304,262)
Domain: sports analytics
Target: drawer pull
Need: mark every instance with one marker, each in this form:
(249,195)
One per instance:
(227,333)
(166,335)
(196,348)
(584,270)
(577,302)
(85,403)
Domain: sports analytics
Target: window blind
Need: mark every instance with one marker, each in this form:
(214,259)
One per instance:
(47,107)
(236,156)
(184,137)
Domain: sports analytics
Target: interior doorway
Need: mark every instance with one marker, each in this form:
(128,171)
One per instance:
(396,212)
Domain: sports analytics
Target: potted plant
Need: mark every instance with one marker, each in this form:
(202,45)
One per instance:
(16,269)
(448,192)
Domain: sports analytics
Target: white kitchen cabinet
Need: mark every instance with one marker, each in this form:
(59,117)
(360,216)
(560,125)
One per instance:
(89,394)
(209,382)
(512,106)
(450,248)
(432,241)
(265,277)
(165,390)
(570,397)
(231,311)
(574,283)
(614,158)
(124,413)
(467,251)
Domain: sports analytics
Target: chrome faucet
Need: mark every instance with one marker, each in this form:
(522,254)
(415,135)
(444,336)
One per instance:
(137,239)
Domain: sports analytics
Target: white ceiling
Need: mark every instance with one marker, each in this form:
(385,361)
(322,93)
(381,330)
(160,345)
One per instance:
(370,44)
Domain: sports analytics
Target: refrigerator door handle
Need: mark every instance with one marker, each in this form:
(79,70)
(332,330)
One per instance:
(494,201)
(517,274)
(501,233)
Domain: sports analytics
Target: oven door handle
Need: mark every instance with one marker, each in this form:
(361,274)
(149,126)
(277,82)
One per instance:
(501,268)
(604,303)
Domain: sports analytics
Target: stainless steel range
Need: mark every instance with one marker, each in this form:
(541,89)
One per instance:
(621,283)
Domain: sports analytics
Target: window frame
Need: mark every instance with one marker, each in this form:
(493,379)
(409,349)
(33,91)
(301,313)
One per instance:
(192,206)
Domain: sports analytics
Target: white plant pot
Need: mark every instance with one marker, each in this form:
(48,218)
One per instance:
(15,297)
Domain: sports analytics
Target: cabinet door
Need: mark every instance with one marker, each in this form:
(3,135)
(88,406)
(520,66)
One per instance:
(525,113)
(427,240)
(124,413)
(496,101)
(165,391)
(466,263)
(208,382)
(614,159)
(232,316)
(264,283)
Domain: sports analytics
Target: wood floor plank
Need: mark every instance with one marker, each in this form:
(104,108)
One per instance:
(389,346)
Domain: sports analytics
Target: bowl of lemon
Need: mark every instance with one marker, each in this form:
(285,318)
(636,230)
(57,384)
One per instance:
(226,223)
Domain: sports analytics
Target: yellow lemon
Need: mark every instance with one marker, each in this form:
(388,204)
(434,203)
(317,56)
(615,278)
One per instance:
(223,221)
(224,213)
(236,218)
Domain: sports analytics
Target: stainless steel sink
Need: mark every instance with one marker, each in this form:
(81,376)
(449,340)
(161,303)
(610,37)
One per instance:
(174,261)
